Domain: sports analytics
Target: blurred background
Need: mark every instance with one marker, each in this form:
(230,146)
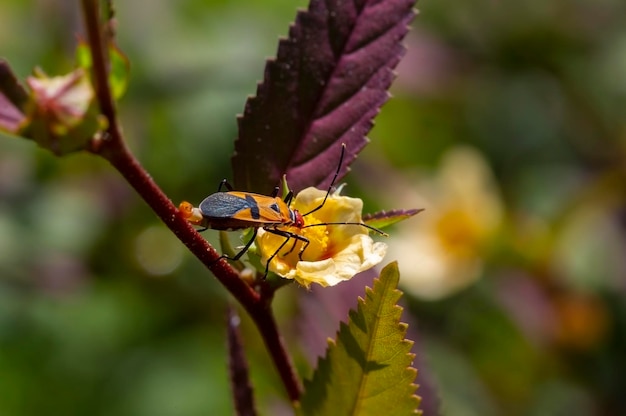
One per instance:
(507,124)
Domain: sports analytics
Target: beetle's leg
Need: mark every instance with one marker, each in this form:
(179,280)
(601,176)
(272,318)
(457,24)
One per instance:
(243,250)
(289,197)
(288,236)
(226,184)
(298,237)
(304,247)
(293,246)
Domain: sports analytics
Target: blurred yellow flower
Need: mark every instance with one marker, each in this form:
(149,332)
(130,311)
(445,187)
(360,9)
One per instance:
(442,252)
(335,253)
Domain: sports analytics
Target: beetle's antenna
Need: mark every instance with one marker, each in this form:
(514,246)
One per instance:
(384,234)
(332,183)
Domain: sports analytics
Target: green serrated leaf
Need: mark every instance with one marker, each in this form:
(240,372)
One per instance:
(83,56)
(367,370)
(120,72)
(119,69)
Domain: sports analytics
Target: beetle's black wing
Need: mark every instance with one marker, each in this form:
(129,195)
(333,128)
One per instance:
(225,205)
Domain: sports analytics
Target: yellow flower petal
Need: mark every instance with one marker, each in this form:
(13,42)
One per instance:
(335,252)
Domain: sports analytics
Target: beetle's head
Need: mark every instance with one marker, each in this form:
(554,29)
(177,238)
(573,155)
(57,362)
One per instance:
(298,221)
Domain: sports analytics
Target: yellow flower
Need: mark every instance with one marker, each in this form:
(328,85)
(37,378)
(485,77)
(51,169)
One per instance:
(443,252)
(335,253)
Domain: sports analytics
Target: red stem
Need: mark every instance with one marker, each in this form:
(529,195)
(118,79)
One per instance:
(257,306)
(113,148)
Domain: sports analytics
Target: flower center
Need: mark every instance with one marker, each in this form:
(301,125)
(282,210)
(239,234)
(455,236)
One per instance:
(318,238)
(458,232)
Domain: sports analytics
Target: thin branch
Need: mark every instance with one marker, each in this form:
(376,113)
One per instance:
(266,324)
(139,179)
(238,366)
(100,63)
(112,147)
(258,307)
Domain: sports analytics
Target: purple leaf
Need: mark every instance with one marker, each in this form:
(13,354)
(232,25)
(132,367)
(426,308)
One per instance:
(327,83)
(13,98)
(384,219)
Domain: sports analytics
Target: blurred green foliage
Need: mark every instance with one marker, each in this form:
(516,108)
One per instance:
(97,318)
